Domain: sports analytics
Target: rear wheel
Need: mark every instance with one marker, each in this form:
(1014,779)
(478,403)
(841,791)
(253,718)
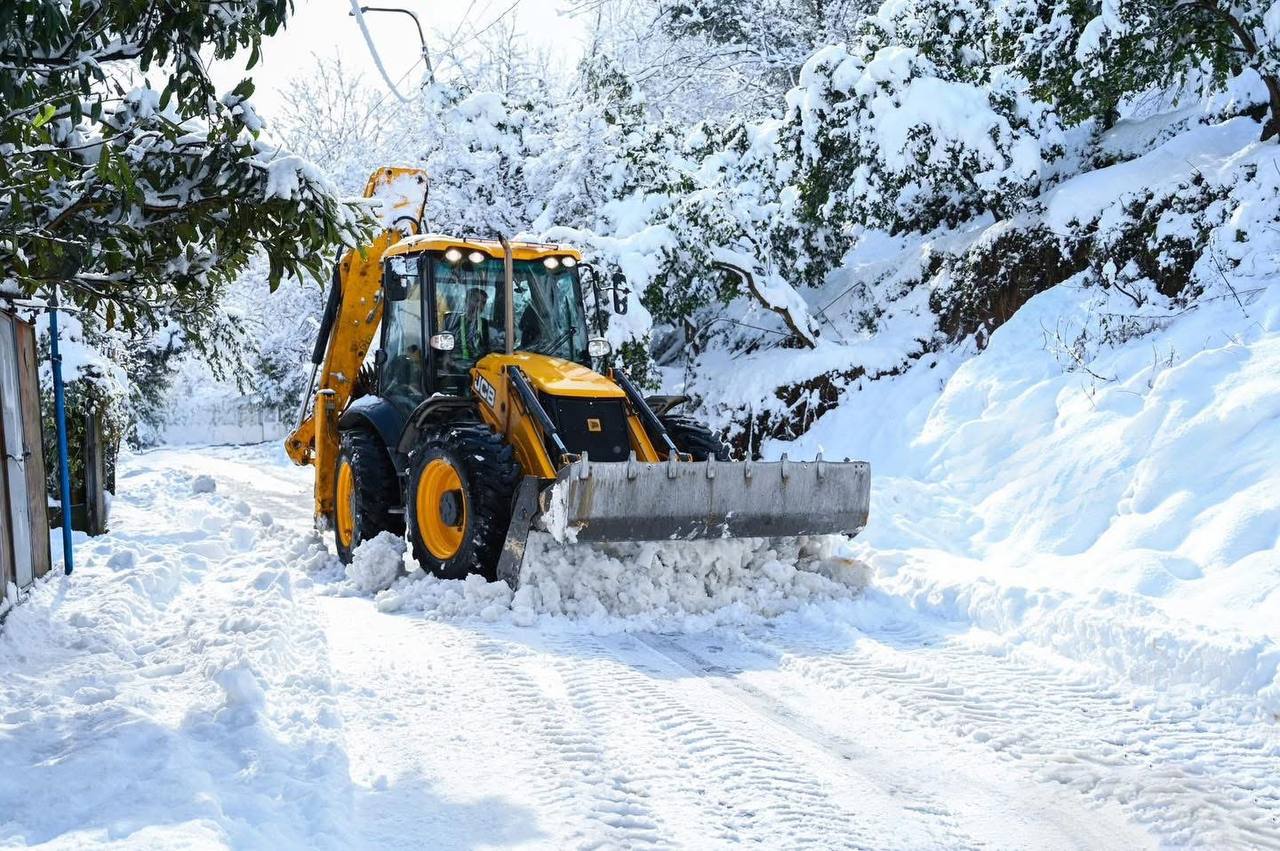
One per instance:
(696,439)
(461,480)
(365,491)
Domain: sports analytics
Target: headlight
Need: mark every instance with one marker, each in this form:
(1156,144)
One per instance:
(550,262)
(453,255)
(598,347)
(569,262)
(476,257)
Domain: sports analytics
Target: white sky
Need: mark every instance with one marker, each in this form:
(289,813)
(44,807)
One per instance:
(325,28)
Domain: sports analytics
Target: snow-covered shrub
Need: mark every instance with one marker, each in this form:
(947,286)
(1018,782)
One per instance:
(95,384)
(1154,242)
(885,136)
(987,283)
(1088,57)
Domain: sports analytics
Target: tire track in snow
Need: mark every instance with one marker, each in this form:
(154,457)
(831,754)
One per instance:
(1192,772)
(957,804)
(578,777)
(746,789)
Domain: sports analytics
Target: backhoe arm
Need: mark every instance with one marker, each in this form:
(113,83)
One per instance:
(350,323)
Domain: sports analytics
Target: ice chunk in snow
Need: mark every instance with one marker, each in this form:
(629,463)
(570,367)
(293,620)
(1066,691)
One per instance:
(556,518)
(376,563)
(242,691)
(203,484)
(122,560)
(310,554)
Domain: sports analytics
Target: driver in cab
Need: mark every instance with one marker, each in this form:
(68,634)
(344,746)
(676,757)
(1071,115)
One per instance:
(472,334)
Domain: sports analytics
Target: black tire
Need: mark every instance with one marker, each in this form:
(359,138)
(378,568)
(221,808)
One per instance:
(487,473)
(693,437)
(375,493)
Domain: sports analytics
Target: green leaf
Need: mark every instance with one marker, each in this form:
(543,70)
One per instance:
(45,114)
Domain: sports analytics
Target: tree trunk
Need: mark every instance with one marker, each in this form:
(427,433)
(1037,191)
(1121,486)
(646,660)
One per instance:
(1272,125)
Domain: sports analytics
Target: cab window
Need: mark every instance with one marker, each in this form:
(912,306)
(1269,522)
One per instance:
(403,335)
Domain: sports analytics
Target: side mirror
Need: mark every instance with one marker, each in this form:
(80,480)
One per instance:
(599,347)
(442,342)
(591,277)
(620,293)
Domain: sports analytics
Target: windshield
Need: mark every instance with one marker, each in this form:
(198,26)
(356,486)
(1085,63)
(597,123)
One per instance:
(549,317)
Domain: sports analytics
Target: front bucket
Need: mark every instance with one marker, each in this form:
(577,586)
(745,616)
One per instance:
(674,500)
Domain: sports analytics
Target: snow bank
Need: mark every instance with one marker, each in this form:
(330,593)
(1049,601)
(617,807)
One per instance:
(174,691)
(647,585)
(1115,498)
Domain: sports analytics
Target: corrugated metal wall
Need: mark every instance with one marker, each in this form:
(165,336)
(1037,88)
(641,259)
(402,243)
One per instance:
(24,513)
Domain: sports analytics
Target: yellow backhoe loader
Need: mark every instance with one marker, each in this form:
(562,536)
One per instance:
(478,415)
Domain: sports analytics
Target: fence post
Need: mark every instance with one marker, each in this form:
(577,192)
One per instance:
(95,474)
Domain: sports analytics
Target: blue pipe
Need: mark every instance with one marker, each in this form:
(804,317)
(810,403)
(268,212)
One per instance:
(60,416)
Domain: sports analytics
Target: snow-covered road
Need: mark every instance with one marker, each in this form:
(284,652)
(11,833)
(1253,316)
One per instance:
(210,679)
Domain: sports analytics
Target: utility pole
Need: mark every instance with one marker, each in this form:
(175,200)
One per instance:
(60,418)
(426,55)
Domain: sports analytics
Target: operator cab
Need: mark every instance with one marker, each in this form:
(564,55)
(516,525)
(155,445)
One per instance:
(445,309)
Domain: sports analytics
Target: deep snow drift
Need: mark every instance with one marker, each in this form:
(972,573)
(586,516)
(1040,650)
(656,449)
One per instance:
(1126,513)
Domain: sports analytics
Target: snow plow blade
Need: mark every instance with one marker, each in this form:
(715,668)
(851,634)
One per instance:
(673,500)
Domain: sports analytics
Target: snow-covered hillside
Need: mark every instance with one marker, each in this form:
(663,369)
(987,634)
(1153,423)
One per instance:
(1126,512)
(1102,476)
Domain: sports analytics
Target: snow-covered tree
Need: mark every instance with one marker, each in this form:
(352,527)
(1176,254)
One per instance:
(1088,56)
(141,199)
(885,136)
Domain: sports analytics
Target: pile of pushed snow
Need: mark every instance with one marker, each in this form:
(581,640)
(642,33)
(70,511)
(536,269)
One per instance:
(376,563)
(646,585)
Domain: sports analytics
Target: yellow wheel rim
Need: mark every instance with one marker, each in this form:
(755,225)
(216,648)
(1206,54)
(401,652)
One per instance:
(346,505)
(440,509)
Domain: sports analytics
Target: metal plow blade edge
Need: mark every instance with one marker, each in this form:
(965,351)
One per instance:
(673,500)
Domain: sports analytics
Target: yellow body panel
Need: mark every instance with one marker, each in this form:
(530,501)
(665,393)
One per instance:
(561,377)
(519,250)
(501,407)
(315,441)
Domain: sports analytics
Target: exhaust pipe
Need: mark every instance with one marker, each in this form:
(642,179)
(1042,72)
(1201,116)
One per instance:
(510,290)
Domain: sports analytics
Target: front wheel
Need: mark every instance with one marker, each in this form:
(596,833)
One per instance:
(693,437)
(365,492)
(458,505)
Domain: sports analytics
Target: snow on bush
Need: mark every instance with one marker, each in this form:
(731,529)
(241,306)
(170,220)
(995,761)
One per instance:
(376,563)
(647,585)
(889,139)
